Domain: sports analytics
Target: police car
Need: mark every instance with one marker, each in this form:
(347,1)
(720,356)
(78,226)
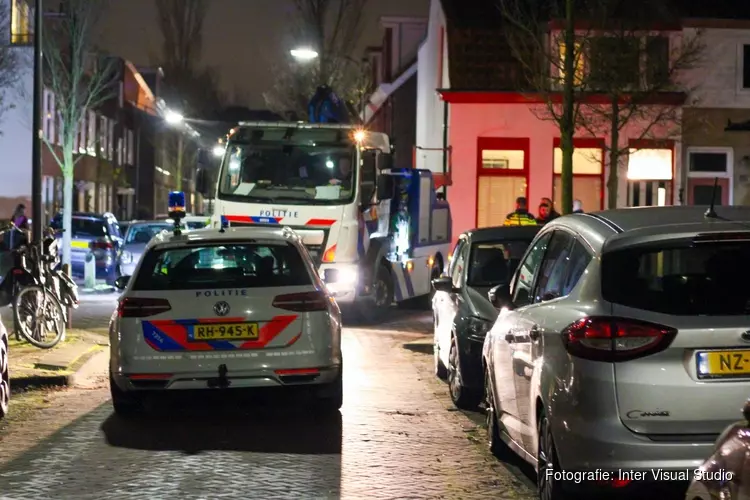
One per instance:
(224,309)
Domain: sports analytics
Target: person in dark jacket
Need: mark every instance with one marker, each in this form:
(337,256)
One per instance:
(520,216)
(19,235)
(547,212)
(577,207)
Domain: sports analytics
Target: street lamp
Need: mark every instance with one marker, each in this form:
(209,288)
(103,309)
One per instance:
(219,150)
(304,54)
(173,117)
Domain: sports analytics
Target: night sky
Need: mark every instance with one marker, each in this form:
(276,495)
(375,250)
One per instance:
(242,37)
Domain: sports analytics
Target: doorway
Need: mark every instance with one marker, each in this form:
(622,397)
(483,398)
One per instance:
(701,191)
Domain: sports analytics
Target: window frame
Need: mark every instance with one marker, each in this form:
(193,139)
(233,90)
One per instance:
(741,47)
(583,143)
(728,174)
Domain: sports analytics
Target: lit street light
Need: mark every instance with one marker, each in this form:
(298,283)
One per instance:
(219,150)
(304,54)
(173,117)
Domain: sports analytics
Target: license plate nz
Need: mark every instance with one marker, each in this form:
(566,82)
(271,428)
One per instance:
(224,331)
(721,364)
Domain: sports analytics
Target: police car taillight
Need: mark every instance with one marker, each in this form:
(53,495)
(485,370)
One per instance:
(137,307)
(302,302)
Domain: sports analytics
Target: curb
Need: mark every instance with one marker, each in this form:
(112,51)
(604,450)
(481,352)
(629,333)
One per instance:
(65,379)
(423,346)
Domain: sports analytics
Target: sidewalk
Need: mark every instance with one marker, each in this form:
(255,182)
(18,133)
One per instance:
(57,367)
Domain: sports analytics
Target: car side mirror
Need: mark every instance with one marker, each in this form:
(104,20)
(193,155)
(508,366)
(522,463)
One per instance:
(444,284)
(386,187)
(121,283)
(499,297)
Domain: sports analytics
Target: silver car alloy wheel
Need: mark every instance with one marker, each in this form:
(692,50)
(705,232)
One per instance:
(454,372)
(546,462)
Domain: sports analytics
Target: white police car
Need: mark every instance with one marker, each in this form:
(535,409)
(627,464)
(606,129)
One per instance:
(236,308)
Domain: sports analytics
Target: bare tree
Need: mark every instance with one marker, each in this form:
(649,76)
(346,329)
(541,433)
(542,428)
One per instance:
(528,37)
(632,69)
(591,72)
(9,62)
(81,79)
(332,28)
(189,87)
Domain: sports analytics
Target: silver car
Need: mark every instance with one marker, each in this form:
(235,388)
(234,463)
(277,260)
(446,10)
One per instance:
(135,241)
(622,347)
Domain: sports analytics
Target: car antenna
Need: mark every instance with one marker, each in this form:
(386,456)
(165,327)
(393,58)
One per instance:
(711,212)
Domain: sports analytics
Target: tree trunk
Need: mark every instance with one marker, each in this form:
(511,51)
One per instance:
(614,155)
(67,235)
(567,123)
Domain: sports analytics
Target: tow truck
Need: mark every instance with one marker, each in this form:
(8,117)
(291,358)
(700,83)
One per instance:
(379,233)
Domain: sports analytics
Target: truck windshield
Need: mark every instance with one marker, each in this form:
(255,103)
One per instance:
(293,172)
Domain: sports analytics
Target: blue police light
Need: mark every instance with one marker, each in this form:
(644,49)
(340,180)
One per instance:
(176,209)
(224,223)
(176,201)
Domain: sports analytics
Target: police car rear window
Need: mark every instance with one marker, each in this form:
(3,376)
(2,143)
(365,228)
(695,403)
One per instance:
(245,265)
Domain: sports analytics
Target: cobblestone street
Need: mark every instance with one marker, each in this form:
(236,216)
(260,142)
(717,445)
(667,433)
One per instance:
(396,438)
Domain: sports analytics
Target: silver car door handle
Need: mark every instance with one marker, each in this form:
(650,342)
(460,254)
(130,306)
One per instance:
(509,337)
(534,333)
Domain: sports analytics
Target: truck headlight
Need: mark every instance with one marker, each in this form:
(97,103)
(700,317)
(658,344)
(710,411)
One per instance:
(341,276)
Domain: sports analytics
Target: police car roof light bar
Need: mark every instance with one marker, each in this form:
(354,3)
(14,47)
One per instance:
(176,209)
(224,224)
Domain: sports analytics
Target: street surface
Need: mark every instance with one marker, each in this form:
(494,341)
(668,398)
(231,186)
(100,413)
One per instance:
(397,437)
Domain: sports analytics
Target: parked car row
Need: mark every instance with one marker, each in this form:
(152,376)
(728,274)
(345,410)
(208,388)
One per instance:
(116,246)
(618,341)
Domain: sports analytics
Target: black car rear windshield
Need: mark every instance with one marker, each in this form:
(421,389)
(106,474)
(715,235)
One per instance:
(707,279)
(83,226)
(493,263)
(237,265)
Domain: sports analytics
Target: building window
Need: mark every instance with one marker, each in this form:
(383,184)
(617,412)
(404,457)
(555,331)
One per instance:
(614,59)
(103,135)
(91,147)
(579,64)
(650,164)
(60,129)
(502,177)
(111,140)
(130,148)
(746,67)
(588,174)
(49,116)
(82,130)
(708,162)
(710,176)
(657,61)
(502,160)
(20,23)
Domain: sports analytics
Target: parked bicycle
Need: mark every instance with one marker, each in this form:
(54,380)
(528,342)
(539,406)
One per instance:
(40,292)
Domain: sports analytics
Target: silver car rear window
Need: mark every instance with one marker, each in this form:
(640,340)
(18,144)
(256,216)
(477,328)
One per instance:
(707,279)
(236,265)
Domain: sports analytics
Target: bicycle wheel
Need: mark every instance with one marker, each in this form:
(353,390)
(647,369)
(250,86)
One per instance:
(39,316)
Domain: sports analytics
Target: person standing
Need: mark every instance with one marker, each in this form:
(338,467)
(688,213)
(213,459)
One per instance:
(520,216)
(547,212)
(19,234)
(577,207)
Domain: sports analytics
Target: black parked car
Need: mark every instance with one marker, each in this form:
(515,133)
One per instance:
(463,314)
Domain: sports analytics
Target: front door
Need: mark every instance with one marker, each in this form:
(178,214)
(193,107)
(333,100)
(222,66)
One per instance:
(701,191)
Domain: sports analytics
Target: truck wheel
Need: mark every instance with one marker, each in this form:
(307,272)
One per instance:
(425,301)
(377,309)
